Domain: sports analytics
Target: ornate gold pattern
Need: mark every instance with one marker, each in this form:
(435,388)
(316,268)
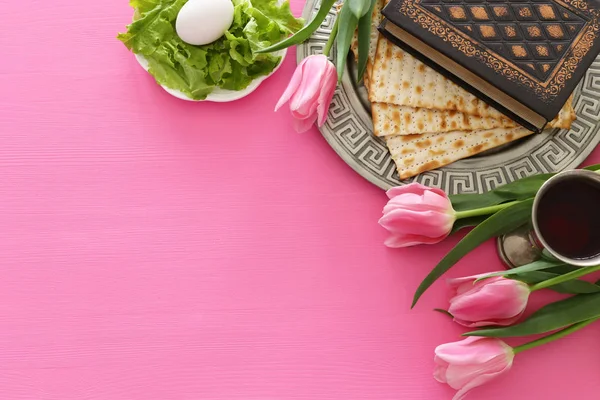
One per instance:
(510,31)
(518,51)
(487,31)
(546,90)
(480,13)
(542,50)
(581,4)
(458,13)
(534,31)
(547,11)
(501,11)
(555,31)
(525,12)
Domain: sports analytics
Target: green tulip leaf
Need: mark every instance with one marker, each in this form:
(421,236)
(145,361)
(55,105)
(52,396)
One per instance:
(497,224)
(364,40)
(563,269)
(346,28)
(445,312)
(534,266)
(467,223)
(575,286)
(545,269)
(520,189)
(554,316)
(304,33)
(558,270)
(595,167)
(359,8)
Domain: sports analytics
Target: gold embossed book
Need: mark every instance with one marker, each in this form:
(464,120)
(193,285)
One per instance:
(524,58)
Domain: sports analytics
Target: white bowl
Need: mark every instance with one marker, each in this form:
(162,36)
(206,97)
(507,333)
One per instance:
(219,95)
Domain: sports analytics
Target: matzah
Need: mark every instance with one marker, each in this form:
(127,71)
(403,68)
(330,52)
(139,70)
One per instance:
(392,119)
(415,154)
(565,117)
(375,21)
(399,78)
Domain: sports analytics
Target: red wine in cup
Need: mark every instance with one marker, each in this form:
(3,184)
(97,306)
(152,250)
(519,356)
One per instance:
(569,218)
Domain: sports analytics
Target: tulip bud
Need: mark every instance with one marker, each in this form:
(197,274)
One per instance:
(310,92)
(416,214)
(491,301)
(471,362)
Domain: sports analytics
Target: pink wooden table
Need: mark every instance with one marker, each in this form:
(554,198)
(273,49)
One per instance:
(154,249)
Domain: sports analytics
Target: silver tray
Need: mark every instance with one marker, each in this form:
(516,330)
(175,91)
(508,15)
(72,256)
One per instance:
(349,131)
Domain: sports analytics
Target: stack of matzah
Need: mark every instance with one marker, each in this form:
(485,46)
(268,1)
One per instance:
(427,120)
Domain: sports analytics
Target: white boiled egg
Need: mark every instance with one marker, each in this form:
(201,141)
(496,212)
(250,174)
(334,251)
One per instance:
(204,21)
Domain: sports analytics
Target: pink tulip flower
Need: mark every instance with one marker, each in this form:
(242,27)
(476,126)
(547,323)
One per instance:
(491,301)
(310,92)
(416,214)
(471,362)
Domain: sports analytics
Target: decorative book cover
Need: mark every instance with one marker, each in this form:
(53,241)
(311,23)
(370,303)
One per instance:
(523,57)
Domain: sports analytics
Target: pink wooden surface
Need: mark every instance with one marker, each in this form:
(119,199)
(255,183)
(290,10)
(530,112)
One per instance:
(154,249)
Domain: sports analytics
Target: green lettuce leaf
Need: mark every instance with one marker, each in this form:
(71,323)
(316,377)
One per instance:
(280,14)
(143,6)
(231,62)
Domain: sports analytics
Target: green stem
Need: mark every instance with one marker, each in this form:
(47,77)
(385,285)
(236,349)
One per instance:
(483,211)
(332,37)
(565,277)
(554,336)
